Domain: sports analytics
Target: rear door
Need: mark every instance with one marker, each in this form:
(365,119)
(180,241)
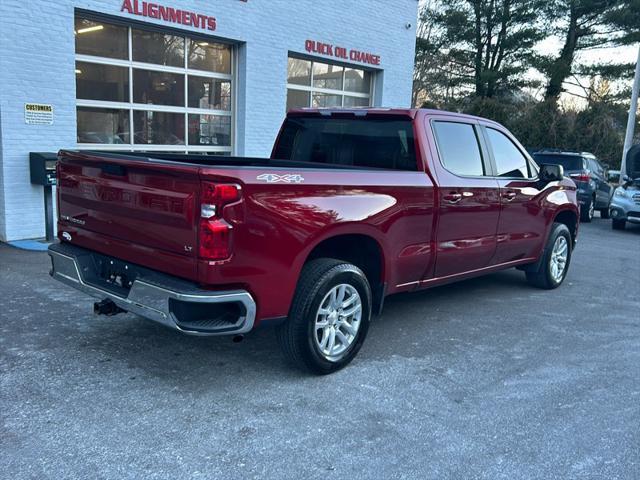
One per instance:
(469,204)
(603,189)
(522,221)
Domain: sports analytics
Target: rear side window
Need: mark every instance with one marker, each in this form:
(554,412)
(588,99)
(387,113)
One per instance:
(459,148)
(595,166)
(352,142)
(510,162)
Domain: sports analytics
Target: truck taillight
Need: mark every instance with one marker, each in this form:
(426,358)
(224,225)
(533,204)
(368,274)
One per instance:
(214,233)
(581,177)
(219,193)
(215,239)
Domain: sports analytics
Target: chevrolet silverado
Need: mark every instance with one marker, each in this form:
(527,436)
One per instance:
(351,206)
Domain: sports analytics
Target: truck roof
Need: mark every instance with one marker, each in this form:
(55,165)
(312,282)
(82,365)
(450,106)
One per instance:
(559,151)
(380,111)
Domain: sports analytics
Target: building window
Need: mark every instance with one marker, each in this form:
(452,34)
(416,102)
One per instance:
(147,90)
(322,84)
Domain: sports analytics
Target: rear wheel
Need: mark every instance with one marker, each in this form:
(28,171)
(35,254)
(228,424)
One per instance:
(329,317)
(588,211)
(555,259)
(618,224)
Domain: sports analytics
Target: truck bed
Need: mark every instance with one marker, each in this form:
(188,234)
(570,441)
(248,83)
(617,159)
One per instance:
(145,208)
(216,161)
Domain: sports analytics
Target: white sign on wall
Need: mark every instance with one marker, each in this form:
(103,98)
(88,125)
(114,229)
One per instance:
(38,114)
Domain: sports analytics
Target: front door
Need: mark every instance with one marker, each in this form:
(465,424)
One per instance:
(603,189)
(522,219)
(469,202)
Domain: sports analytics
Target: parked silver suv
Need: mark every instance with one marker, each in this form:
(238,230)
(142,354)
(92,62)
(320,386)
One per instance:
(625,203)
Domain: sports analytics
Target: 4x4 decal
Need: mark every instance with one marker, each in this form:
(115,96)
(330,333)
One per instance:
(275,178)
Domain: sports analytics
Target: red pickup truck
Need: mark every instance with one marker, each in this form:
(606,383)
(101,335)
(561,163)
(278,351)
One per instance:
(351,207)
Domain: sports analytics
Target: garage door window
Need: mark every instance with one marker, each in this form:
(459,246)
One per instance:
(321,84)
(152,91)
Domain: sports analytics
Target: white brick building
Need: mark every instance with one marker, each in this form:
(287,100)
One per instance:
(212,76)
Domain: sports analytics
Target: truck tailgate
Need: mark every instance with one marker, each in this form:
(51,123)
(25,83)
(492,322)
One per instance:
(111,204)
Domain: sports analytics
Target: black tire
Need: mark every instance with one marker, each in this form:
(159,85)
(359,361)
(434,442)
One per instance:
(296,335)
(586,212)
(543,278)
(618,224)
(604,213)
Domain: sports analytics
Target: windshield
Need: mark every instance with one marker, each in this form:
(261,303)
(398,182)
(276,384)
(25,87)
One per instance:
(633,162)
(357,142)
(569,162)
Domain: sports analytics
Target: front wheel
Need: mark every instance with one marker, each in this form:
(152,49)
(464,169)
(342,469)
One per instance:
(588,211)
(604,213)
(555,259)
(329,316)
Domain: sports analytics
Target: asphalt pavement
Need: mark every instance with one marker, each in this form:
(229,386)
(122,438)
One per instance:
(485,379)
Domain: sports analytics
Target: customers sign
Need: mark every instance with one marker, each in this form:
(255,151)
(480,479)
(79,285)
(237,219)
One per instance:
(341,53)
(169,14)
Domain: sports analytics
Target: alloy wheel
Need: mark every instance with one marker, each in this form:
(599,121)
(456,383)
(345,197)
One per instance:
(338,321)
(559,257)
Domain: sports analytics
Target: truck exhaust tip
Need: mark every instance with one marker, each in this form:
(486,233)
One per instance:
(107,307)
(238,338)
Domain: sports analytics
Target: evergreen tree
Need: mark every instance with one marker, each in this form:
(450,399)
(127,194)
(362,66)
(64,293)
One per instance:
(584,25)
(479,45)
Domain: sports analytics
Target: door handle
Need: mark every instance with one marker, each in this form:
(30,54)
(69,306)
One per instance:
(510,195)
(452,197)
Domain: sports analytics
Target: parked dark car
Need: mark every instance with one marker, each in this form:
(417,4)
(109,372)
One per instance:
(594,191)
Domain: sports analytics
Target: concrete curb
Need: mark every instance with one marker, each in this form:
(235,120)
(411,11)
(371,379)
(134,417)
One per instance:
(31,245)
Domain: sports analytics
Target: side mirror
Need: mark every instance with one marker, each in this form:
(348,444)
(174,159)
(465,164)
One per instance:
(613,177)
(551,173)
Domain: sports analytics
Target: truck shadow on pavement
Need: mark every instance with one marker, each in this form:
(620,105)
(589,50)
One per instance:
(199,363)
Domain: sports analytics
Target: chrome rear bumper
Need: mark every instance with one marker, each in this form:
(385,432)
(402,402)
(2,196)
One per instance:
(159,297)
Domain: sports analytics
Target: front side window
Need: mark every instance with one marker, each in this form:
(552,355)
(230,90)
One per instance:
(510,162)
(140,89)
(321,84)
(595,166)
(384,143)
(459,148)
